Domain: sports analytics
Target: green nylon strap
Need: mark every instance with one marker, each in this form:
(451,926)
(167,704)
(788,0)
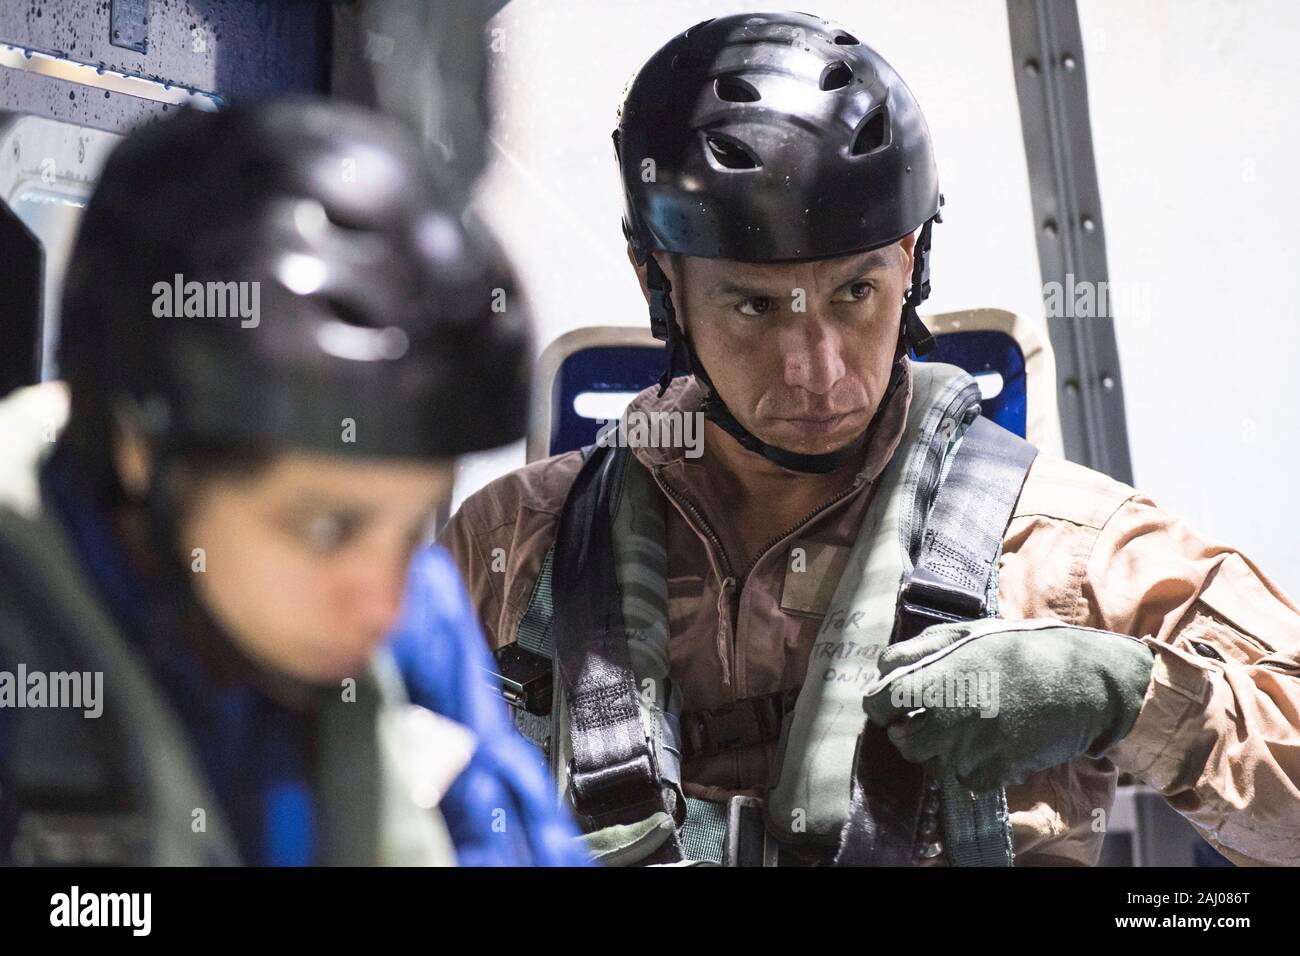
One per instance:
(976,825)
(534,634)
(704,834)
(535,626)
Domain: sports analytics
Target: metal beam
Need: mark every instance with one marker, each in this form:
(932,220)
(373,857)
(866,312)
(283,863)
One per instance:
(1047,51)
(113,65)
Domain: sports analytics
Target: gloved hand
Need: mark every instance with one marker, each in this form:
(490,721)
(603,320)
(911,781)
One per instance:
(992,701)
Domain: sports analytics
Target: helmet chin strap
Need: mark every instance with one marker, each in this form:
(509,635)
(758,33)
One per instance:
(681,358)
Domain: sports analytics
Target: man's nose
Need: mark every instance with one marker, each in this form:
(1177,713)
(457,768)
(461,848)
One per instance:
(812,355)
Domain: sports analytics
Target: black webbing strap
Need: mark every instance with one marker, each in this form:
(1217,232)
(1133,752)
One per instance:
(963,533)
(613,775)
(886,805)
(744,723)
(894,810)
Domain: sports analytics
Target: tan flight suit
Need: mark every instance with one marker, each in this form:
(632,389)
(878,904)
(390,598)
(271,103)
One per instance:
(1219,730)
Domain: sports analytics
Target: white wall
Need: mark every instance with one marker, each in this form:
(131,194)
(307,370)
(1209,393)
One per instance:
(1194,108)
(1192,128)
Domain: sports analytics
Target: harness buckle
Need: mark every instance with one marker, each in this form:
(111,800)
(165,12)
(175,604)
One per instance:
(744,723)
(748,842)
(927,599)
(617,794)
(524,678)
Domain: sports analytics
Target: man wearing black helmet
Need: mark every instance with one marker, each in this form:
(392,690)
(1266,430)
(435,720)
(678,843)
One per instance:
(277,334)
(855,536)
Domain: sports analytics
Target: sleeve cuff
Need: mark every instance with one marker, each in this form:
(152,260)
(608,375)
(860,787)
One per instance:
(1163,733)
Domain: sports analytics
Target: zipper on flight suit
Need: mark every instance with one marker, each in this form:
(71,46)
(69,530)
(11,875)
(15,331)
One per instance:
(858,481)
(730,580)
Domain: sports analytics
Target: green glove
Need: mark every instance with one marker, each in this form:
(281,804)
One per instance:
(992,701)
(632,843)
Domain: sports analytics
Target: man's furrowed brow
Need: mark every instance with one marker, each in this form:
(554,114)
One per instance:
(755,287)
(867,262)
(746,288)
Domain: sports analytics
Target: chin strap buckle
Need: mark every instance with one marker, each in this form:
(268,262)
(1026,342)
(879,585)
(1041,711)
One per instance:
(663,323)
(916,336)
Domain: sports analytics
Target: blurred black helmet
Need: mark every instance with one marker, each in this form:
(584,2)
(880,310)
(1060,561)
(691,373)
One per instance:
(374,301)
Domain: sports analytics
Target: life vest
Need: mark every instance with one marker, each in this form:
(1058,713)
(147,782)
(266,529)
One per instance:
(125,787)
(612,690)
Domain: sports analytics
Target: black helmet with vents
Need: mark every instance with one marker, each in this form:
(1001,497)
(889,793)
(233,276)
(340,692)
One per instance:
(769,138)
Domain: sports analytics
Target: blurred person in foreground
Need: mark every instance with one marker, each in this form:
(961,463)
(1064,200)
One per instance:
(277,335)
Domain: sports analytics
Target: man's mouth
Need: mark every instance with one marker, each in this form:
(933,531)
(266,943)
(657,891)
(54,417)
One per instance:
(820,425)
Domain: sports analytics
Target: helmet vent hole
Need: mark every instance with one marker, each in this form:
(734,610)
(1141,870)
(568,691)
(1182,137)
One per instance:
(735,90)
(345,312)
(873,133)
(836,76)
(846,39)
(729,153)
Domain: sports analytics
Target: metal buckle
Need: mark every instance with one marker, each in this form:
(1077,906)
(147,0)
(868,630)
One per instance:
(748,842)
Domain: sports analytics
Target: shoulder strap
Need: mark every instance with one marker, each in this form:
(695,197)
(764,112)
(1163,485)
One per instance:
(962,537)
(534,633)
(613,774)
(954,578)
(118,788)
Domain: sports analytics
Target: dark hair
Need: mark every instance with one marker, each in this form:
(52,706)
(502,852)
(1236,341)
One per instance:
(88,443)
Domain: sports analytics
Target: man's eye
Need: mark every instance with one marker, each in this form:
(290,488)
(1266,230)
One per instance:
(759,305)
(854,292)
